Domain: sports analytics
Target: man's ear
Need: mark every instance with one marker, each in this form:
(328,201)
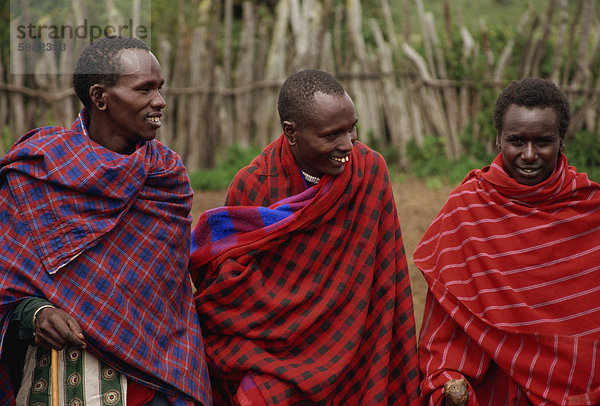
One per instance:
(97,96)
(289,129)
(498,140)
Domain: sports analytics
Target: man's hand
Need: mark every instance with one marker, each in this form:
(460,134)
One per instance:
(456,392)
(55,328)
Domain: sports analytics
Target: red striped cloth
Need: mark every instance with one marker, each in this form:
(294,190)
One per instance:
(514,300)
(319,307)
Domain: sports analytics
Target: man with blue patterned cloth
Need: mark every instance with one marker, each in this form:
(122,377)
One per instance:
(95,224)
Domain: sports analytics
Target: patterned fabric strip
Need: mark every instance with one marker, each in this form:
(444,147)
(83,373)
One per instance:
(103,236)
(513,301)
(41,381)
(72,359)
(83,380)
(307,289)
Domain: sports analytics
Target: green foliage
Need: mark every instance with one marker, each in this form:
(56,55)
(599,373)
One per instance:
(478,145)
(495,13)
(390,153)
(4,30)
(379,144)
(6,138)
(583,153)
(428,161)
(218,178)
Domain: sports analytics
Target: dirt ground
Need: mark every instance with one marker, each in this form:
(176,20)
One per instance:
(417,206)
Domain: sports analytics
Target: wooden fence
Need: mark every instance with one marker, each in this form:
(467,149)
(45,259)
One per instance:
(219,94)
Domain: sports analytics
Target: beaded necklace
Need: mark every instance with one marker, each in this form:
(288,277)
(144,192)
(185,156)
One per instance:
(310,178)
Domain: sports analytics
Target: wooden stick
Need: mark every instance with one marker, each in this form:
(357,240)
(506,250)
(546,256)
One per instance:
(54,370)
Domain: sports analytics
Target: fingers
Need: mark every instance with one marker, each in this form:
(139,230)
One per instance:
(76,334)
(456,392)
(54,328)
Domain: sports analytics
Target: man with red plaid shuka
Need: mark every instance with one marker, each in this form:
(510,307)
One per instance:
(94,249)
(302,282)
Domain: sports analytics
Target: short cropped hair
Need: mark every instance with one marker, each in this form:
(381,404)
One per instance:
(533,92)
(297,93)
(98,64)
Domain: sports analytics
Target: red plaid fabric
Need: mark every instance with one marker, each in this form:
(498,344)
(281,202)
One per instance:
(308,295)
(514,279)
(103,236)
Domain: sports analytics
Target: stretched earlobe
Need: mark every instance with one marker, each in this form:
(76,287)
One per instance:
(289,129)
(97,96)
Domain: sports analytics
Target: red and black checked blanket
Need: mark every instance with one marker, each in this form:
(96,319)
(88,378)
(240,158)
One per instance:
(514,279)
(307,290)
(104,237)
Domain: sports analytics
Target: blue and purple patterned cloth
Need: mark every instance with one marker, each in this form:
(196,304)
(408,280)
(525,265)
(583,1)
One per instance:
(105,237)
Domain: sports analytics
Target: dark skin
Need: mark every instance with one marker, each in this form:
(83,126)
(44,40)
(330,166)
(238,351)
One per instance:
(121,116)
(530,143)
(129,112)
(55,328)
(323,143)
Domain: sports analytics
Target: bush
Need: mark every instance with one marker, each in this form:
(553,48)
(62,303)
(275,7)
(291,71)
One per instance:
(583,153)
(428,159)
(220,177)
(429,162)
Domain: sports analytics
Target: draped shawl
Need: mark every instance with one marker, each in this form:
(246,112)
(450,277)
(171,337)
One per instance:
(514,280)
(307,289)
(104,237)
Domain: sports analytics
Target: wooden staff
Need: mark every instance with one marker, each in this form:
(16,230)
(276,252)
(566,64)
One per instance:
(54,370)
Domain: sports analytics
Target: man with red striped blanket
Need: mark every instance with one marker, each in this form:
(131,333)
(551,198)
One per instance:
(513,267)
(303,288)
(94,249)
